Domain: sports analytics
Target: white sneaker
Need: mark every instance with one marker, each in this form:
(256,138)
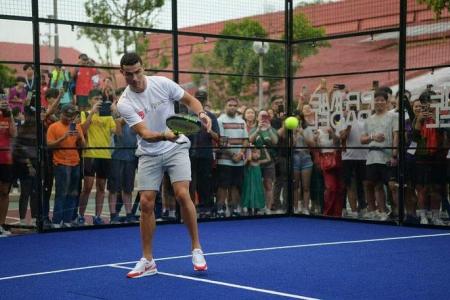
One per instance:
(369,215)
(382,216)
(351,214)
(305,211)
(143,268)
(4,232)
(198,260)
(437,221)
(423,220)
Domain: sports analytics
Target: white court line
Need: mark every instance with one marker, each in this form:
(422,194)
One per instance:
(236,251)
(305,246)
(238,286)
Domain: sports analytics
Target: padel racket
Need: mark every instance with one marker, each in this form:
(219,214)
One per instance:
(184,124)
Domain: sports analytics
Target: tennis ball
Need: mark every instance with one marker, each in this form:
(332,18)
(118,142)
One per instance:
(291,123)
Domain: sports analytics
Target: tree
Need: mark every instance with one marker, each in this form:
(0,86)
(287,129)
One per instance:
(135,13)
(238,57)
(437,5)
(7,78)
(303,29)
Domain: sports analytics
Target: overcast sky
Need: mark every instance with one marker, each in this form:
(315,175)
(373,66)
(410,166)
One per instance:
(190,13)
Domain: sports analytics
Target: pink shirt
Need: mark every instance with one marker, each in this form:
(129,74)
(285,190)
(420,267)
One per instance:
(20,101)
(5,141)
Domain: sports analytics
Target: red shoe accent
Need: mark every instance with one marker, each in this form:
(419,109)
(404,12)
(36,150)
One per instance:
(201,268)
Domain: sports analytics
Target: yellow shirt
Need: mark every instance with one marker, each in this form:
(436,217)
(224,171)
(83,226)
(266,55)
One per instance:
(98,135)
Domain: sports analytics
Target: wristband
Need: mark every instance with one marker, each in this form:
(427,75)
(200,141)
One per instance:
(163,136)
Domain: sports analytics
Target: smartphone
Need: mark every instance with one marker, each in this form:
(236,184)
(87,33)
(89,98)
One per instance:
(280,108)
(72,127)
(105,109)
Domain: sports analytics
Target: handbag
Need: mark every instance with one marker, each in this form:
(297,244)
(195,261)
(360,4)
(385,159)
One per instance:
(330,160)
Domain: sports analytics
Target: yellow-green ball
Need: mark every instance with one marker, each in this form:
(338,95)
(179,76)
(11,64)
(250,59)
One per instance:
(291,123)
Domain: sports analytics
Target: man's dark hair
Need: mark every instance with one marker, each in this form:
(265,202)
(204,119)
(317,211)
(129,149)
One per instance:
(232,99)
(26,66)
(58,61)
(276,97)
(425,96)
(51,93)
(129,59)
(21,79)
(201,95)
(385,89)
(381,93)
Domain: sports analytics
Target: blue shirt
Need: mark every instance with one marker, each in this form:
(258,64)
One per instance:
(127,139)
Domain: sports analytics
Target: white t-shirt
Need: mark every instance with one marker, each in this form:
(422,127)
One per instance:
(153,106)
(354,140)
(386,124)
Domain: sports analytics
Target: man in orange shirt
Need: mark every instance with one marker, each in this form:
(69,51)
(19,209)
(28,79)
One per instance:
(66,164)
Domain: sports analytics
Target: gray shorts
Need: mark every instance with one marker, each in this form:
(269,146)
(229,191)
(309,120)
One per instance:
(151,168)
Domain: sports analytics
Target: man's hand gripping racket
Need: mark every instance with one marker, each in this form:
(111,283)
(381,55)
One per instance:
(186,125)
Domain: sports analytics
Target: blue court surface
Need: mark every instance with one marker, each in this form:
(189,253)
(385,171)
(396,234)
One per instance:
(248,259)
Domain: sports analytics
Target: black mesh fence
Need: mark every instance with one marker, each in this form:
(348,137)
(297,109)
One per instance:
(322,62)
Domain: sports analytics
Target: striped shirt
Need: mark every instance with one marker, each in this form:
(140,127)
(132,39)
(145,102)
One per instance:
(232,130)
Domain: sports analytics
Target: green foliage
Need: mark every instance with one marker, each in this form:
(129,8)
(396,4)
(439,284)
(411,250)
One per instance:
(7,78)
(437,5)
(238,57)
(136,13)
(303,29)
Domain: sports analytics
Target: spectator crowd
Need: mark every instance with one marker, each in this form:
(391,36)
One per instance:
(240,167)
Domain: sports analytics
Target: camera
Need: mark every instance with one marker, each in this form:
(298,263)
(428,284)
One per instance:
(105,108)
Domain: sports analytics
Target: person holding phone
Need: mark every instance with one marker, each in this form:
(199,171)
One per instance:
(60,79)
(97,162)
(430,157)
(8,131)
(62,134)
(266,136)
(18,95)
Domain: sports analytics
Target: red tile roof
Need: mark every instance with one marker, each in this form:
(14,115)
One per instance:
(344,55)
(24,52)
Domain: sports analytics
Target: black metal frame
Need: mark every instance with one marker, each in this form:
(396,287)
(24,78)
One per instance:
(289,43)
